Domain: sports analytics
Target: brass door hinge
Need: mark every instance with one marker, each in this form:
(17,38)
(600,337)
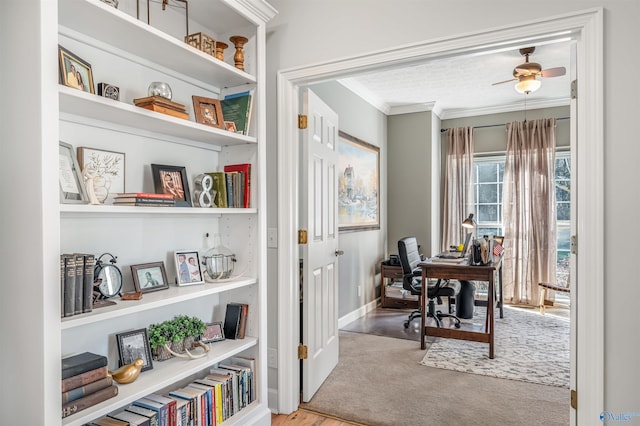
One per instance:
(574,89)
(302,121)
(574,244)
(302,236)
(302,351)
(574,399)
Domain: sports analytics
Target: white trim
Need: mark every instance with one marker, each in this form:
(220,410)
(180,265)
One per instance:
(498,109)
(590,223)
(365,95)
(358,313)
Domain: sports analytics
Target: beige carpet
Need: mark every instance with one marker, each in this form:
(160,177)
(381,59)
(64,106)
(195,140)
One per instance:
(379,381)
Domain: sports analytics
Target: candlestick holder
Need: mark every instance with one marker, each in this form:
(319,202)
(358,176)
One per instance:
(238,58)
(220,46)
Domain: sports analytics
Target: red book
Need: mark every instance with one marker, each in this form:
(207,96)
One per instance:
(143,195)
(246,169)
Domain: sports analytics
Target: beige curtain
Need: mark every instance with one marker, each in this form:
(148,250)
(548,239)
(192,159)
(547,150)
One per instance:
(458,185)
(529,209)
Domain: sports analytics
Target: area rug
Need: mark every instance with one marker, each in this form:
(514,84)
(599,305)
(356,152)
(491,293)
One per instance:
(528,347)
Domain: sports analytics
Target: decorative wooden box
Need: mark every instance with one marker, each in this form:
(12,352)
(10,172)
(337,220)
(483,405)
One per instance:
(203,42)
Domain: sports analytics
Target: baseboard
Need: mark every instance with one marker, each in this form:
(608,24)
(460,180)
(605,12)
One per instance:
(272,400)
(360,312)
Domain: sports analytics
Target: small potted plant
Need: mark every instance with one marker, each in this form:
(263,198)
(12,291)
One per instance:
(158,339)
(175,337)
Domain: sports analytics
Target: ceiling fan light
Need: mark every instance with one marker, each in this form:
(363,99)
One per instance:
(527,85)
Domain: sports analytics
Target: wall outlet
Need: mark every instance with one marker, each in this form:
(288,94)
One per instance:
(272,237)
(272,358)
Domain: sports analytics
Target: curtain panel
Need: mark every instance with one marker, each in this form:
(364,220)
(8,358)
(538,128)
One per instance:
(529,200)
(458,185)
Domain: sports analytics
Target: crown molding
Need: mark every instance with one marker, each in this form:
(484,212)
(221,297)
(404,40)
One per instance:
(497,109)
(365,94)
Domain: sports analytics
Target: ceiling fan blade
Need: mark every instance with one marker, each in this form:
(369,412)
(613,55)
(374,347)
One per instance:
(506,81)
(553,72)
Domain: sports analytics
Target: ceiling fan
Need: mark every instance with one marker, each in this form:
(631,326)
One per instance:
(526,74)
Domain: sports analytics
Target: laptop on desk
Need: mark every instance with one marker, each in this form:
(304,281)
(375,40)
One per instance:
(457,254)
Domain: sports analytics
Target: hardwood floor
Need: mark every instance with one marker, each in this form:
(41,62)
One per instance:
(308,418)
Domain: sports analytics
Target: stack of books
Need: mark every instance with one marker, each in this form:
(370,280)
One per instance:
(143,199)
(85,382)
(163,105)
(76,282)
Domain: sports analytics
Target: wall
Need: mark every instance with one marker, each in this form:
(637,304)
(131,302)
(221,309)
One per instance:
(315,31)
(363,250)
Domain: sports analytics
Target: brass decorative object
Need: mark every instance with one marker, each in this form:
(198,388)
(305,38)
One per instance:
(203,42)
(239,42)
(220,46)
(128,373)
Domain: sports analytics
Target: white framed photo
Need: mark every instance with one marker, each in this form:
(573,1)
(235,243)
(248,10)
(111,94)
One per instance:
(188,267)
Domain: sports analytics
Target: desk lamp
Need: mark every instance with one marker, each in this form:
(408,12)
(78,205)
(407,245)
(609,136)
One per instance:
(469,222)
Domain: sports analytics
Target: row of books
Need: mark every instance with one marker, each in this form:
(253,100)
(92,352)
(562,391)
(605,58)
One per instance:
(85,382)
(207,401)
(232,186)
(76,283)
(143,199)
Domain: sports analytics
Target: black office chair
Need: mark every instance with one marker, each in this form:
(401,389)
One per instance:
(412,281)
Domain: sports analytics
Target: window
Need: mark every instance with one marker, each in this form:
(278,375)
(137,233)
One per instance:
(488,178)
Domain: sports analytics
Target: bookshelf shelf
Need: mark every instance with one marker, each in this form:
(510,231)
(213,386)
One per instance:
(109,210)
(163,374)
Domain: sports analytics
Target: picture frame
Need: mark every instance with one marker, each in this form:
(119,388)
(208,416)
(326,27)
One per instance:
(188,269)
(75,72)
(358,184)
(230,126)
(172,180)
(208,111)
(134,344)
(213,333)
(107,169)
(148,277)
(72,188)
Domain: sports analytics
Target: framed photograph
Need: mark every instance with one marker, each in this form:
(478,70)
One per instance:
(213,333)
(149,277)
(132,345)
(72,189)
(106,168)
(188,267)
(358,184)
(208,111)
(230,126)
(172,180)
(75,72)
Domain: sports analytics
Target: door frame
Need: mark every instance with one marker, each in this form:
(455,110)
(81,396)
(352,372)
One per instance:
(587,27)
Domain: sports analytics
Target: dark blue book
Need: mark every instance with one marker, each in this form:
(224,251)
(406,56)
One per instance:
(81,363)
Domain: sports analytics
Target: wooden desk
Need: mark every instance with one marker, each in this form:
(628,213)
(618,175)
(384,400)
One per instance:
(393,273)
(463,271)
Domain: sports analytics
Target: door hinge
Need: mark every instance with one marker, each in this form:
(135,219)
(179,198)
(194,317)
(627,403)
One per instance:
(302,121)
(574,244)
(574,399)
(302,351)
(574,89)
(302,236)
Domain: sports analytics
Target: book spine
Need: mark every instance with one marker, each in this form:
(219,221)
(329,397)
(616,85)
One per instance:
(229,183)
(88,401)
(243,321)
(62,278)
(69,285)
(144,200)
(87,389)
(143,195)
(82,364)
(245,169)
(83,379)
(87,286)
(79,298)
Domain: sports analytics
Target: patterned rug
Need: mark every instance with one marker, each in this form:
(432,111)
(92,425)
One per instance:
(528,347)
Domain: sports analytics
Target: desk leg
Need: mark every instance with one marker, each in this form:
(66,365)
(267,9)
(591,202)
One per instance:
(500,289)
(490,313)
(423,311)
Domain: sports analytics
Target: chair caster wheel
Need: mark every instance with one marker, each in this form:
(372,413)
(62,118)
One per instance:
(457,325)
(406,324)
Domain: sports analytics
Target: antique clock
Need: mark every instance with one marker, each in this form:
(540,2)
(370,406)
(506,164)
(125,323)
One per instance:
(107,277)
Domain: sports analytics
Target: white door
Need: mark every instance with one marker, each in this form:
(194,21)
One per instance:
(318,215)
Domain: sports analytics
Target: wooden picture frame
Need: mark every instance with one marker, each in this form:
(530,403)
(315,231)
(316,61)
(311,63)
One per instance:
(75,72)
(172,180)
(358,183)
(72,189)
(134,344)
(208,111)
(108,167)
(188,269)
(148,277)
(230,126)
(213,333)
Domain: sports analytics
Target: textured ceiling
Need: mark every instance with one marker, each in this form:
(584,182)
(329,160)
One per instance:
(462,85)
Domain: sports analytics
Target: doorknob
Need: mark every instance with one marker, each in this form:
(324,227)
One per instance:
(339,252)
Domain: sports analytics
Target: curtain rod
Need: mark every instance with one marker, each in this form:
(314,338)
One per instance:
(498,125)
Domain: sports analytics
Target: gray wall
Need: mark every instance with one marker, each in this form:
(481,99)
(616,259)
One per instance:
(363,250)
(316,31)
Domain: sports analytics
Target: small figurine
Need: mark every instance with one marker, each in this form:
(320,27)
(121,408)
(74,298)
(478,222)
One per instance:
(128,373)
